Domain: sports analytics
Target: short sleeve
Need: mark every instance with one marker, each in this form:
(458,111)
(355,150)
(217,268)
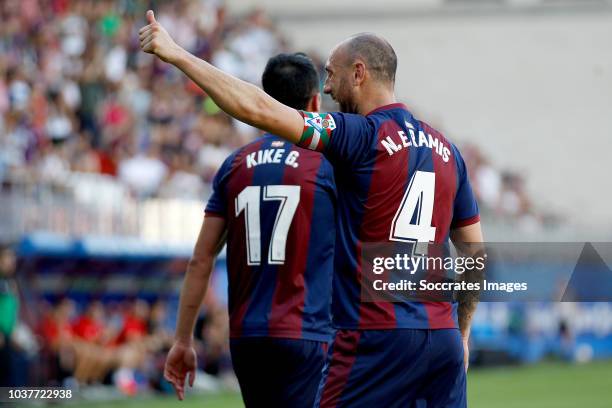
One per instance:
(466,208)
(329,179)
(342,137)
(217,203)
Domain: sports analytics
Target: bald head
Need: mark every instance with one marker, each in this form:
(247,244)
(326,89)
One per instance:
(377,54)
(361,73)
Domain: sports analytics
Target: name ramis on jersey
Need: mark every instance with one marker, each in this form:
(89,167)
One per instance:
(272,156)
(421,140)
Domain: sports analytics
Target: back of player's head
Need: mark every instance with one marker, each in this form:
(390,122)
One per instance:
(377,54)
(291,79)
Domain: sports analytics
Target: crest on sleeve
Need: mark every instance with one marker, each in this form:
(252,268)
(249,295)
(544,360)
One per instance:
(317,131)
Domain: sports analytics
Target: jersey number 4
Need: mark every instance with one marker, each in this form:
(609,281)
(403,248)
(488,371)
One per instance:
(417,205)
(249,200)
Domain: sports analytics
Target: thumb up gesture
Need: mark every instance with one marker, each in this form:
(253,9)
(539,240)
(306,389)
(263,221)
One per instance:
(154,39)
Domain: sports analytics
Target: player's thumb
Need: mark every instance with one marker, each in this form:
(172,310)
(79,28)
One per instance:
(151,17)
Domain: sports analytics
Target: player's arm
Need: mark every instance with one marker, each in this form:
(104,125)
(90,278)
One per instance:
(181,358)
(468,241)
(210,241)
(240,99)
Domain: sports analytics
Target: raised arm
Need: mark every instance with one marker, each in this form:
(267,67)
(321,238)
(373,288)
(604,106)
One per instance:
(240,99)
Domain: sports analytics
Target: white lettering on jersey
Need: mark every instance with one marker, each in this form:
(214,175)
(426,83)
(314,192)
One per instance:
(278,155)
(390,145)
(393,145)
(251,160)
(405,141)
(445,154)
(267,156)
(271,156)
(422,139)
(291,159)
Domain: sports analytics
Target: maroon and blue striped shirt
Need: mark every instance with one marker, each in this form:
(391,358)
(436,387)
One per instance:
(392,171)
(279,203)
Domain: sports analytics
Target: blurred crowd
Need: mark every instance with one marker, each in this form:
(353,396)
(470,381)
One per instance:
(502,194)
(78,97)
(85,341)
(123,343)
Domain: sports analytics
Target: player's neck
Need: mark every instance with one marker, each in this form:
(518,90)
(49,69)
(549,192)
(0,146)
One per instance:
(375,100)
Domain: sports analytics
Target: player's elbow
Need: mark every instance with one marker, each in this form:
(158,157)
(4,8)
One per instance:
(201,265)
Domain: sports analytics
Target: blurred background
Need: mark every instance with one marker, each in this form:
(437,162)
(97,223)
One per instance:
(107,154)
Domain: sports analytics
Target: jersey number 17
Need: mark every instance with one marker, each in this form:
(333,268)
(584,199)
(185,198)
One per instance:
(249,200)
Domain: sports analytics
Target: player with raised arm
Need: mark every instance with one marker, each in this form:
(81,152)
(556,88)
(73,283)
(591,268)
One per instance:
(277,203)
(388,166)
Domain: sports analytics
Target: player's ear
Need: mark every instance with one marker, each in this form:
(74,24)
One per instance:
(359,72)
(314,104)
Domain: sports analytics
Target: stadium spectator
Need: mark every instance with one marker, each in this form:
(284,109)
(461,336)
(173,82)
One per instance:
(90,325)
(143,173)
(9,311)
(56,327)
(55,333)
(135,326)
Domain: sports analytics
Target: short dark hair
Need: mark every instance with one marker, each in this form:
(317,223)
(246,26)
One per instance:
(377,53)
(291,79)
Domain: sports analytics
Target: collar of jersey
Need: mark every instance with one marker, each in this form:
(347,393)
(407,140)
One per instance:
(397,105)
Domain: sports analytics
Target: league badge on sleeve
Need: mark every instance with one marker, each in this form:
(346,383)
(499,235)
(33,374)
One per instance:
(317,131)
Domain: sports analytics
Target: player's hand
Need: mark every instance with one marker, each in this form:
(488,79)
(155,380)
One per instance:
(466,352)
(181,361)
(154,39)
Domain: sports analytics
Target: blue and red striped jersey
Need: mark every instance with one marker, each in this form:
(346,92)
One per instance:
(398,180)
(279,203)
